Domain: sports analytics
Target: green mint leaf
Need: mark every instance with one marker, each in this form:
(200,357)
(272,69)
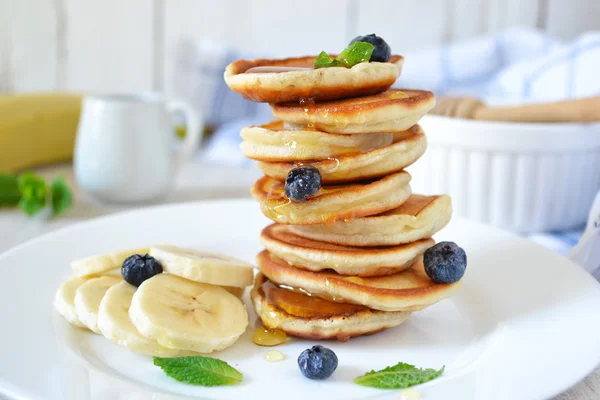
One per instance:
(399,376)
(356,53)
(198,370)
(61,196)
(33,193)
(323,60)
(9,190)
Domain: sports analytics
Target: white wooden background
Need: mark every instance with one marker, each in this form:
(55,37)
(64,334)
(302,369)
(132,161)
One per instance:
(128,45)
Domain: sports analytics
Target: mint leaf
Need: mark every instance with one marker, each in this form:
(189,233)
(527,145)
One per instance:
(61,196)
(199,370)
(33,193)
(9,190)
(399,376)
(323,61)
(356,53)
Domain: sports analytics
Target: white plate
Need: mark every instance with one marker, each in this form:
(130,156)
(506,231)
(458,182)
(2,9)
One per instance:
(523,325)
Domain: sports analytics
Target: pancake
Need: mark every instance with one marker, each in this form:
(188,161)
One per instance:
(392,111)
(410,290)
(308,83)
(408,146)
(335,322)
(313,255)
(417,218)
(332,203)
(275,142)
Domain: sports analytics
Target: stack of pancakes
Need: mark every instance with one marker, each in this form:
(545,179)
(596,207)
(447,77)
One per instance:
(348,260)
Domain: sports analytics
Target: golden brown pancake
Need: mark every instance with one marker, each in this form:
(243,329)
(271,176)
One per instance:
(275,142)
(392,111)
(409,290)
(313,318)
(408,146)
(313,255)
(417,218)
(332,203)
(316,84)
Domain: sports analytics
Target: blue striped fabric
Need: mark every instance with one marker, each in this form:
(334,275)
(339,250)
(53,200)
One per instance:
(560,242)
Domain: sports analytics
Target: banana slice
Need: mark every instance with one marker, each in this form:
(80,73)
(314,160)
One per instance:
(188,315)
(88,297)
(64,301)
(96,265)
(201,266)
(116,326)
(236,291)
(112,272)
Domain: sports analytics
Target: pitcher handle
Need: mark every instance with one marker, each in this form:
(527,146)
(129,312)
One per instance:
(193,130)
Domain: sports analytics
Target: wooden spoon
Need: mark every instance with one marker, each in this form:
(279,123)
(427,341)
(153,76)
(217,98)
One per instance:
(580,110)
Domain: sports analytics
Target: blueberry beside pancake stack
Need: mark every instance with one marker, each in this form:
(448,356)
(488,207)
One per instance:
(345,255)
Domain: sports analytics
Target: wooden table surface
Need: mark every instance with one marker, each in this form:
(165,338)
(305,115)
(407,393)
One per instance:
(196,181)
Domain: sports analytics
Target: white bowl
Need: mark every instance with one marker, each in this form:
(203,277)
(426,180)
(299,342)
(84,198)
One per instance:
(518,176)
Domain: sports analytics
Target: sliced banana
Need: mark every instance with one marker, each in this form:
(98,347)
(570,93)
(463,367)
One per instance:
(88,297)
(236,291)
(201,266)
(115,324)
(112,272)
(96,265)
(64,301)
(183,314)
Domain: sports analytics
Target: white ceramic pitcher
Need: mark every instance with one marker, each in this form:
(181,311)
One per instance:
(124,149)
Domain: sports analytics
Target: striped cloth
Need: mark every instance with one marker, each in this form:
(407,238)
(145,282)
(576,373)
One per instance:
(561,242)
(515,66)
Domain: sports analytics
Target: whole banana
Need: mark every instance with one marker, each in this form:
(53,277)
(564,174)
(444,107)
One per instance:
(37,129)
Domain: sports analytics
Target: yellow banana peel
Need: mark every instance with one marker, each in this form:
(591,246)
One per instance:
(37,129)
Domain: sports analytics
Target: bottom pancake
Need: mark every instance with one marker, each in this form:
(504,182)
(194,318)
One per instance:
(314,318)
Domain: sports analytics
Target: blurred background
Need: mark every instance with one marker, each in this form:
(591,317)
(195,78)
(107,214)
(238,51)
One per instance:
(528,177)
(134,45)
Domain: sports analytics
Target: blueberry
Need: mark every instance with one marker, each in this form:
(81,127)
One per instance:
(137,268)
(302,182)
(445,262)
(381,52)
(317,362)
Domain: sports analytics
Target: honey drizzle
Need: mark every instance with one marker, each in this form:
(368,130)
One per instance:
(269,337)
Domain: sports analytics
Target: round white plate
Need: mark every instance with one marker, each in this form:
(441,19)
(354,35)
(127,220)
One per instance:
(523,325)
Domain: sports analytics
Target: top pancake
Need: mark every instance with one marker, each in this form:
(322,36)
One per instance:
(316,84)
(392,111)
